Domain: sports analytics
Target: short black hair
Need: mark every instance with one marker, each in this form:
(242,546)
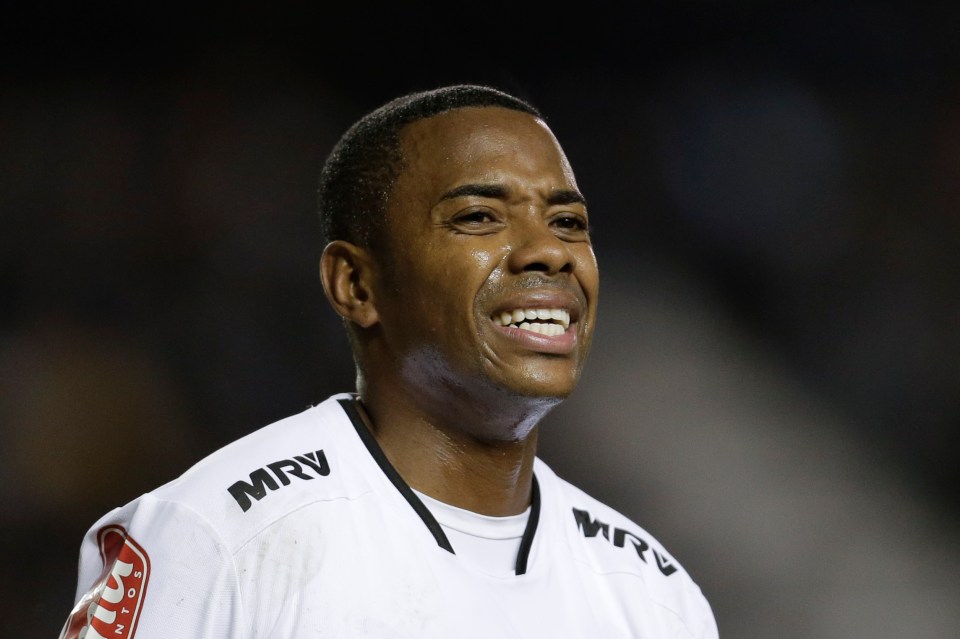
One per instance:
(358,176)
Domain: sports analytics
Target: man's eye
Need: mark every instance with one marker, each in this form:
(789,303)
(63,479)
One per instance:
(475,217)
(571,223)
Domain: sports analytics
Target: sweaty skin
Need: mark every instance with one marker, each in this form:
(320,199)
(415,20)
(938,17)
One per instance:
(485,227)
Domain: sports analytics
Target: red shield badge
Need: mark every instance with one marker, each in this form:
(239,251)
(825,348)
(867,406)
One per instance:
(112,605)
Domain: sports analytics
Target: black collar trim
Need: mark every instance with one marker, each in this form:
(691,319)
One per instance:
(370,442)
(526,542)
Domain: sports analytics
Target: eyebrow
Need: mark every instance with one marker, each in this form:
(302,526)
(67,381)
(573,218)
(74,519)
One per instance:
(557,196)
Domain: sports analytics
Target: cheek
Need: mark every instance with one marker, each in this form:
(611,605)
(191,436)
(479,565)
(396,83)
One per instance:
(444,286)
(466,271)
(440,284)
(588,273)
(481,258)
(467,277)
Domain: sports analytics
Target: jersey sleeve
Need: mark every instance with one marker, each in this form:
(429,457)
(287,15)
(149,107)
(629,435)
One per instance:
(153,569)
(710,630)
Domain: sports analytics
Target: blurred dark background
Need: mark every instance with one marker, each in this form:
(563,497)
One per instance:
(775,191)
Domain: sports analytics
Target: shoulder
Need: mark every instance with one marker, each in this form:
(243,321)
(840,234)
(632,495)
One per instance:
(608,542)
(181,541)
(245,486)
(620,541)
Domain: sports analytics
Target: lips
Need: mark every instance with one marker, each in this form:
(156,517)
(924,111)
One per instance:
(539,316)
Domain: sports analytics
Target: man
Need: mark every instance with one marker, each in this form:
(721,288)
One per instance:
(459,258)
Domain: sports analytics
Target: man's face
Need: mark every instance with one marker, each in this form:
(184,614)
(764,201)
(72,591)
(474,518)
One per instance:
(491,283)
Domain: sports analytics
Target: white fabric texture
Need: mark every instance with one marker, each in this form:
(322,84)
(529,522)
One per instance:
(490,544)
(296,530)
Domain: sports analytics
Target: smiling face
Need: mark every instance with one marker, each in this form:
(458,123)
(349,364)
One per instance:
(490,286)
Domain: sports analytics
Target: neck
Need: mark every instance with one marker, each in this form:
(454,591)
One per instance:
(484,465)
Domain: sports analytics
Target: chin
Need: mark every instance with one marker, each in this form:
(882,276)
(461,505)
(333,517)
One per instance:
(547,390)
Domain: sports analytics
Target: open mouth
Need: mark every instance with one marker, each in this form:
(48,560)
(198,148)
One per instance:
(545,321)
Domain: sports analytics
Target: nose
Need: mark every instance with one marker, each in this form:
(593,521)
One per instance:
(537,248)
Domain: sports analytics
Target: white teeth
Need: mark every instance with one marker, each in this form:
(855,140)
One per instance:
(546,321)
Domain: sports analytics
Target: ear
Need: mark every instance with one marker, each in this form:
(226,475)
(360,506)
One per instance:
(347,272)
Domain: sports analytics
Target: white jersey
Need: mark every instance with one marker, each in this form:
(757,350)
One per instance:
(304,529)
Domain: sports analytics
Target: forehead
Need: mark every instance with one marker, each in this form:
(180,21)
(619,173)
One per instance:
(488,144)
